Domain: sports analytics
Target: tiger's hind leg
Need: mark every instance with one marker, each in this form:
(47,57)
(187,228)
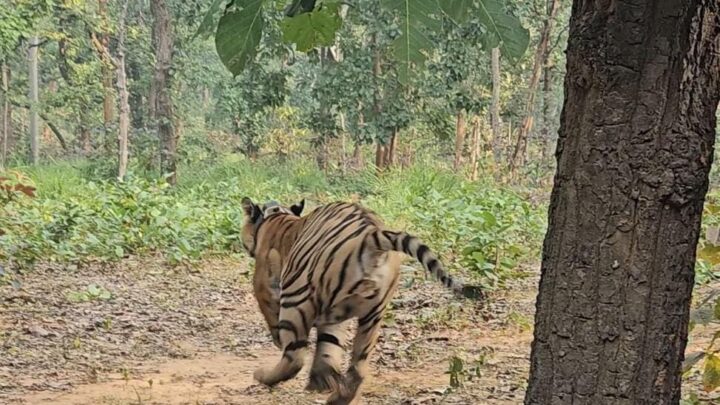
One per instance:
(294,327)
(363,345)
(326,372)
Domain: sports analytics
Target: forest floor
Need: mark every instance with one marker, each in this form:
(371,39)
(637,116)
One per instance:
(179,336)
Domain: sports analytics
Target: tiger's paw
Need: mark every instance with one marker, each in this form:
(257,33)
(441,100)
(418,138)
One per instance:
(324,380)
(262,375)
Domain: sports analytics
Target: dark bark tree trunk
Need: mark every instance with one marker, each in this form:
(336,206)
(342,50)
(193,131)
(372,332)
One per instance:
(495,107)
(163,108)
(541,53)
(460,129)
(634,151)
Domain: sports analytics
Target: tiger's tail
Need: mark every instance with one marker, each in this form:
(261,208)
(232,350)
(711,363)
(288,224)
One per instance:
(414,247)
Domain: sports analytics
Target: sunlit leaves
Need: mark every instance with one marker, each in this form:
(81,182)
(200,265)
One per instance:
(238,34)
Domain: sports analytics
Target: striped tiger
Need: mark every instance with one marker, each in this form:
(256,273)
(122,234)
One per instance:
(335,264)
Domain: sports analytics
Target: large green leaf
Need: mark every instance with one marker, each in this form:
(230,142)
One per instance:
(311,29)
(417,19)
(238,34)
(208,23)
(457,10)
(504,29)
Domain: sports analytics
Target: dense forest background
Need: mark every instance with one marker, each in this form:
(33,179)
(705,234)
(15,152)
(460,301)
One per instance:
(126,142)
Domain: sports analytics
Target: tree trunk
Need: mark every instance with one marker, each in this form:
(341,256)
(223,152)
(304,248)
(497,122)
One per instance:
(357,158)
(124,98)
(377,103)
(547,119)
(163,41)
(518,158)
(34,82)
(107,74)
(379,156)
(459,139)
(475,148)
(635,147)
(390,155)
(5,114)
(495,108)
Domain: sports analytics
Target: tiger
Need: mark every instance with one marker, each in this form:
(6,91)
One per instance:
(322,270)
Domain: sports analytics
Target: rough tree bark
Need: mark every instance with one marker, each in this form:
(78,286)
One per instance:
(634,151)
(163,108)
(460,130)
(541,53)
(34,126)
(495,107)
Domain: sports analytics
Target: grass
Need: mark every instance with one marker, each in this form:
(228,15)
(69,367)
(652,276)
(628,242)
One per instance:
(78,216)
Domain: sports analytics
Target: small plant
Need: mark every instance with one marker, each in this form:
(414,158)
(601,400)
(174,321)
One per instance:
(459,374)
(93,292)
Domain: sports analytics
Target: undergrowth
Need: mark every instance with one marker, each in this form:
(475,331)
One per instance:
(76,218)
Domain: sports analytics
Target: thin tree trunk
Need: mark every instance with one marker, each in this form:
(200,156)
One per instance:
(635,147)
(34,83)
(5,115)
(379,156)
(107,75)
(475,148)
(495,108)
(162,29)
(377,103)
(390,155)
(547,99)
(357,157)
(460,129)
(124,98)
(518,158)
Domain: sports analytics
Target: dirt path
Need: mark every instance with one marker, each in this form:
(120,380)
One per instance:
(179,337)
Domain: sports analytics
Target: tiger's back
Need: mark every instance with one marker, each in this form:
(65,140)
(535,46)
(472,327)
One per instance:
(342,264)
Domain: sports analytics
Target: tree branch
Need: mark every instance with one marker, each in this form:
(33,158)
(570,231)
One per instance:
(54,128)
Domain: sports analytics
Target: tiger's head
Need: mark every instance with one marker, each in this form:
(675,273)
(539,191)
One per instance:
(255,216)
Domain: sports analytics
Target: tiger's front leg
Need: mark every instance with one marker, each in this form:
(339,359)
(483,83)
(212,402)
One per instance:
(267,293)
(294,327)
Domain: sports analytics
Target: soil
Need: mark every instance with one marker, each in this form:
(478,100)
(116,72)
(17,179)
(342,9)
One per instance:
(194,336)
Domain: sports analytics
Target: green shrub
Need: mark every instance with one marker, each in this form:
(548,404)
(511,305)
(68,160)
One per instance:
(476,226)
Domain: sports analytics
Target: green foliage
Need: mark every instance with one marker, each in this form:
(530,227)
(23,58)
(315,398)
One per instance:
(240,28)
(74,220)
(489,230)
(314,28)
(238,34)
(460,373)
(93,292)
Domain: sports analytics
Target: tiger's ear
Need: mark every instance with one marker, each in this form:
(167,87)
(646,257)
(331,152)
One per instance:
(251,210)
(297,209)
